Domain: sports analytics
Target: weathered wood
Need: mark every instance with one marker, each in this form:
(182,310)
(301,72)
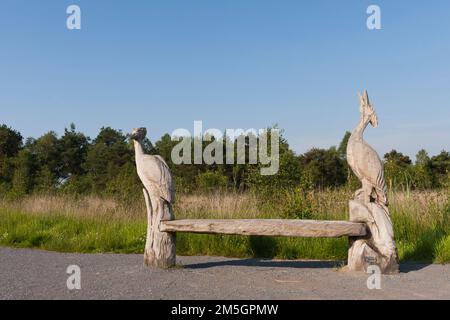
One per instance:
(160,248)
(378,247)
(267,227)
(159,194)
(370,203)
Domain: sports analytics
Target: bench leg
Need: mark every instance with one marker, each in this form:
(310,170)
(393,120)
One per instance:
(160,248)
(378,247)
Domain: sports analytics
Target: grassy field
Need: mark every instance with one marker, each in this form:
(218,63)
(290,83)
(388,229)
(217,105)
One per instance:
(93,225)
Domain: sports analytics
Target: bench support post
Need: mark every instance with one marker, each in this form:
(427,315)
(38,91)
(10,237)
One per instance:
(370,203)
(378,246)
(160,249)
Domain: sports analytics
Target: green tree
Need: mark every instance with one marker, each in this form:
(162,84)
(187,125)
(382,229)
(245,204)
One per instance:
(398,159)
(105,157)
(10,141)
(45,181)
(24,174)
(185,174)
(125,186)
(47,152)
(73,148)
(10,145)
(211,181)
(287,177)
(164,146)
(323,168)
(441,167)
(398,170)
(423,171)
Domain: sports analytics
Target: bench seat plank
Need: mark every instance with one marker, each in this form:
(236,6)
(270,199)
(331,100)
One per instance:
(268,227)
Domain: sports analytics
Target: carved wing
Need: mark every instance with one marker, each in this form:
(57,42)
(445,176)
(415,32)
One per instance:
(156,176)
(166,183)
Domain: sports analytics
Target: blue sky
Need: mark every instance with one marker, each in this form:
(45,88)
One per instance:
(231,64)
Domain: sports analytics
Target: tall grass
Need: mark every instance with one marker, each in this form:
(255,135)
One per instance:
(91,224)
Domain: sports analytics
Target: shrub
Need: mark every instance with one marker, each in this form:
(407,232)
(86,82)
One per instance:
(125,186)
(210,181)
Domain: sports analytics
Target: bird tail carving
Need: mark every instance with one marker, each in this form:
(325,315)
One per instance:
(381,190)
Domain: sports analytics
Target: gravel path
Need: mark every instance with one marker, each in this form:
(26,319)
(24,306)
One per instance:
(34,274)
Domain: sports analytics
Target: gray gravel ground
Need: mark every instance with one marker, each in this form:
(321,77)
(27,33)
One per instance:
(35,274)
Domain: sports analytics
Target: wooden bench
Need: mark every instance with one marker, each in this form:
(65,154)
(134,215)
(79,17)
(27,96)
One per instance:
(161,233)
(268,227)
(370,229)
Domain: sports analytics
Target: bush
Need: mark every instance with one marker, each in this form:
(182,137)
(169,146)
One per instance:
(442,253)
(297,206)
(126,186)
(77,185)
(45,181)
(210,181)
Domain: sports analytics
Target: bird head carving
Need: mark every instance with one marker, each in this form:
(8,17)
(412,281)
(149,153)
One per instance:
(138,134)
(366,109)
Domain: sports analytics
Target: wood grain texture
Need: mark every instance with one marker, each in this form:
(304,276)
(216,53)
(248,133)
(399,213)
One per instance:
(267,227)
(160,247)
(159,194)
(370,203)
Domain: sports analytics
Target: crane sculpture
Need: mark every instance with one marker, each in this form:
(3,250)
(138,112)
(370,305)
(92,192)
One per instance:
(369,169)
(159,195)
(370,203)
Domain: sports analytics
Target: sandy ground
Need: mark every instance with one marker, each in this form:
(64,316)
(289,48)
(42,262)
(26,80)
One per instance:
(34,274)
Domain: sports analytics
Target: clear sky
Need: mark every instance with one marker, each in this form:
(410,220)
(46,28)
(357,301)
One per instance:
(232,64)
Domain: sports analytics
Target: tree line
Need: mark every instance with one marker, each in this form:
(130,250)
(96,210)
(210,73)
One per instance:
(75,164)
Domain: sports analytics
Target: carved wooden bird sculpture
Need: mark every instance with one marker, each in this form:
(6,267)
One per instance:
(364,160)
(155,176)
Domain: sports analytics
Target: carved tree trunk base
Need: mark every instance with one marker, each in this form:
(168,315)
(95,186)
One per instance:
(361,255)
(160,249)
(378,247)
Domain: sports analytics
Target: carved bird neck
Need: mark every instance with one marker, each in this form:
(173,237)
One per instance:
(138,149)
(359,130)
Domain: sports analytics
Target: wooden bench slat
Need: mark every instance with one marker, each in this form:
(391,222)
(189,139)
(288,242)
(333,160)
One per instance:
(268,227)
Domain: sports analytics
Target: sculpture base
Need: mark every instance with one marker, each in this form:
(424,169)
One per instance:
(378,247)
(160,247)
(162,255)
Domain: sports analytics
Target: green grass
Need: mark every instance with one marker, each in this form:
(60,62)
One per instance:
(421,226)
(442,251)
(69,234)
(102,235)
(262,247)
